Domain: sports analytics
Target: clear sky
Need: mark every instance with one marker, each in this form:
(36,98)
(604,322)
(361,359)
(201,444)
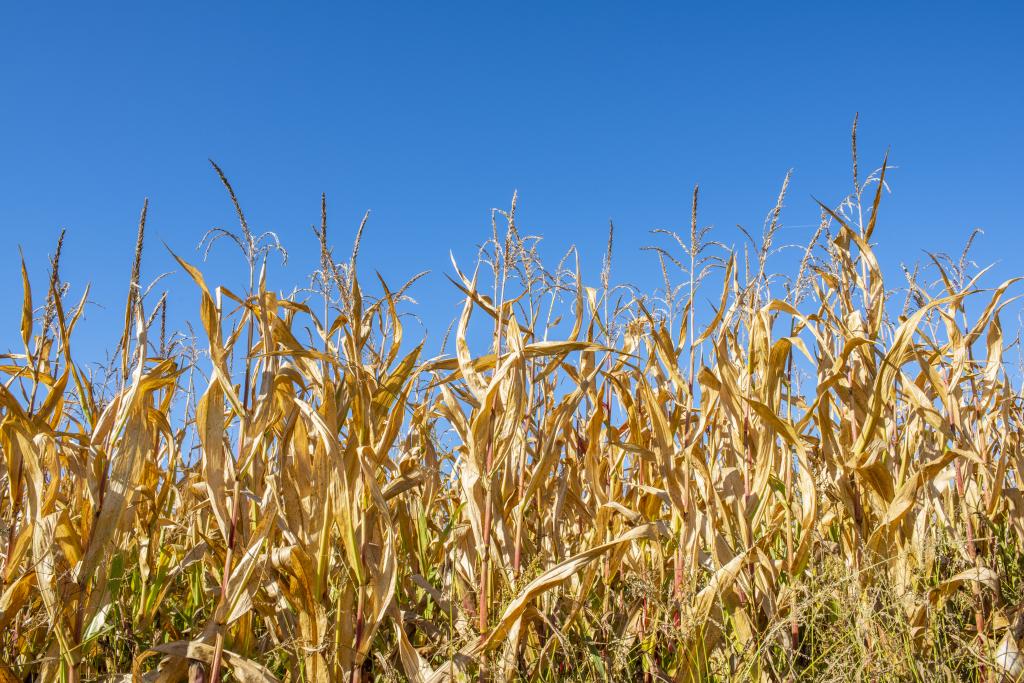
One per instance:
(429,114)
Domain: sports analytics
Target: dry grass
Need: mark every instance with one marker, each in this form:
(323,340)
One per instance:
(813,486)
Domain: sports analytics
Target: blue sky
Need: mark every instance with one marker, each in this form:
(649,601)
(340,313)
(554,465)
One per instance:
(430,115)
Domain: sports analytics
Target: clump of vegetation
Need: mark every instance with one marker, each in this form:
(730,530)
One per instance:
(818,480)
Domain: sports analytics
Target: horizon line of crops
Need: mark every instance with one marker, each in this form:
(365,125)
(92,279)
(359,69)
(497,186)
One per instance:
(821,482)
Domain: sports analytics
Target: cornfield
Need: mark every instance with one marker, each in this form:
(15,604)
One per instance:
(741,476)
